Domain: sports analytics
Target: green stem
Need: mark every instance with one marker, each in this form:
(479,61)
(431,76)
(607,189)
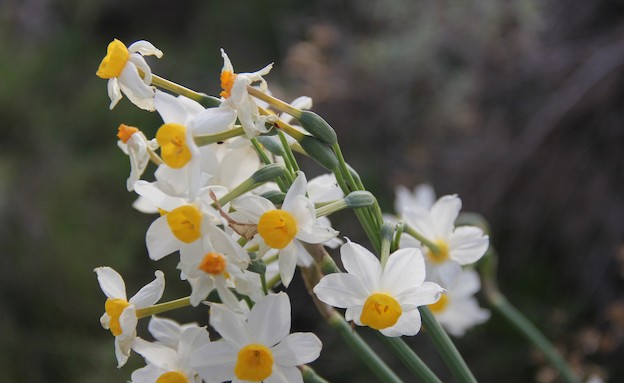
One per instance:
(362,350)
(409,358)
(387,232)
(310,376)
(182,91)
(274,102)
(288,154)
(445,346)
(218,137)
(163,307)
(432,246)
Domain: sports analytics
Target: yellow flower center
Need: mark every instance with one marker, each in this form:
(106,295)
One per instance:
(125,132)
(173,147)
(114,307)
(213,263)
(115,60)
(277,228)
(442,256)
(185,223)
(440,305)
(254,363)
(227,82)
(380,311)
(172,377)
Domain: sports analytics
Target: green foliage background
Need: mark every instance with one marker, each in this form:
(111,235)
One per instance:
(516,106)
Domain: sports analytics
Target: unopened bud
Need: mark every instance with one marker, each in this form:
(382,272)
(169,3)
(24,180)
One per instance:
(268,173)
(319,152)
(275,196)
(272,144)
(359,199)
(318,127)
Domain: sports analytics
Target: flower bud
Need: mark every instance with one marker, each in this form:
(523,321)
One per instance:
(359,199)
(272,144)
(268,173)
(275,196)
(319,152)
(318,127)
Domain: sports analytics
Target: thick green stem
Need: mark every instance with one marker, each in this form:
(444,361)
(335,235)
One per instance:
(409,358)
(445,346)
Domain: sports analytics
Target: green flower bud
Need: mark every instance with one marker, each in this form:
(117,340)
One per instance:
(359,199)
(268,173)
(272,144)
(275,196)
(318,127)
(319,152)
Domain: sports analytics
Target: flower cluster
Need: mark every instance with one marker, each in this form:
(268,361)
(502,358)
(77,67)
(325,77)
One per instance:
(232,205)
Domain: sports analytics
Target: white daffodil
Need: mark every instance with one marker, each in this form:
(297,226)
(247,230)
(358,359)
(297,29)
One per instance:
(282,228)
(259,349)
(458,310)
(167,331)
(323,189)
(183,120)
(182,222)
(121,314)
(121,67)
(236,97)
(385,299)
(218,263)
(167,364)
(134,143)
(459,246)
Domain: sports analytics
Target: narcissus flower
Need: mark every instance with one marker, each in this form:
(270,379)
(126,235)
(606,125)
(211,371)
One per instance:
(120,315)
(166,364)
(258,349)
(458,310)
(218,263)
(121,67)
(134,143)
(235,95)
(459,246)
(282,228)
(385,299)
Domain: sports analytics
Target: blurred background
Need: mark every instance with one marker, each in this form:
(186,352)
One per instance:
(517,106)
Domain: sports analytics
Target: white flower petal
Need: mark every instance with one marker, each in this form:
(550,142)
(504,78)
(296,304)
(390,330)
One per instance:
(408,324)
(114,93)
(160,240)
(341,290)
(132,85)
(467,244)
(360,262)
(169,108)
(165,331)
(282,374)
(191,340)
(156,196)
(230,326)
(287,262)
(405,268)
(297,349)
(444,212)
(215,361)
(298,188)
(151,293)
(252,207)
(212,120)
(145,48)
(269,319)
(201,288)
(154,353)
(111,282)
(425,294)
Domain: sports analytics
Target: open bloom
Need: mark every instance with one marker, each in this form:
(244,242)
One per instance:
(218,263)
(167,363)
(259,349)
(383,298)
(422,196)
(457,246)
(120,315)
(121,67)
(281,228)
(134,143)
(458,310)
(235,95)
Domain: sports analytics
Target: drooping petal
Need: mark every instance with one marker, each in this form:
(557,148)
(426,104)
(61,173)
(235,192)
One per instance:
(358,261)
(444,212)
(287,262)
(145,48)
(341,290)
(151,293)
(114,93)
(132,85)
(128,322)
(297,349)
(269,319)
(111,283)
